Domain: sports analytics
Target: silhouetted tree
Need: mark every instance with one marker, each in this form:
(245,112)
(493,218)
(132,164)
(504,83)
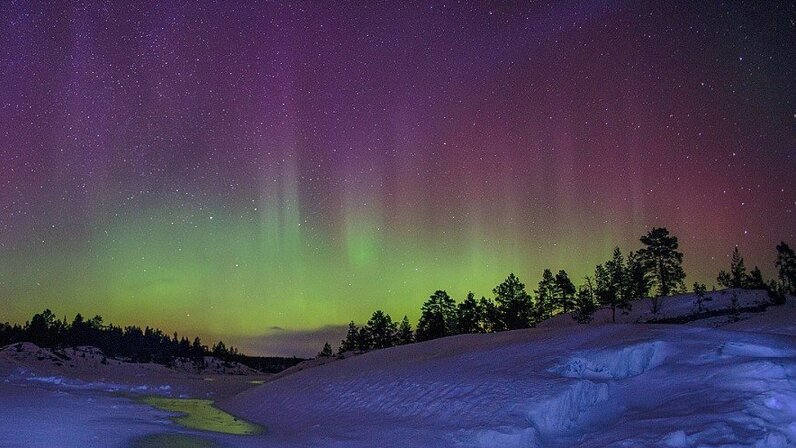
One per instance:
(129,343)
(736,278)
(490,316)
(700,291)
(469,315)
(786,268)
(637,277)
(545,296)
(350,343)
(437,317)
(663,262)
(585,305)
(405,333)
(364,340)
(197,351)
(755,280)
(514,305)
(220,350)
(610,287)
(382,330)
(326,351)
(41,329)
(564,295)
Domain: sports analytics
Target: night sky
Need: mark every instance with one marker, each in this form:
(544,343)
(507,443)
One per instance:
(267,172)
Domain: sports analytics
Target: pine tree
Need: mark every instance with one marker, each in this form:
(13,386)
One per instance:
(326,352)
(545,296)
(437,317)
(382,330)
(663,262)
(469,315)
(514,305)
(736,278)
(565,292)
(405,333)
(786,268)
(350,343)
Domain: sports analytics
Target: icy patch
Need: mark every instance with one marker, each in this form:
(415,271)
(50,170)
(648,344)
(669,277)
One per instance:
(613,364)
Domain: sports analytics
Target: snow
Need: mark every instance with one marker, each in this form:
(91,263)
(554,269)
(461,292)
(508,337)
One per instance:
(711,383)
(555,386)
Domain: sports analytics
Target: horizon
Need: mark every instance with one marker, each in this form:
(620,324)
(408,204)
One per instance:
(262,175)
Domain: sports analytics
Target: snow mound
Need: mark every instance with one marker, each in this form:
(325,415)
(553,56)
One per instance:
(615,363)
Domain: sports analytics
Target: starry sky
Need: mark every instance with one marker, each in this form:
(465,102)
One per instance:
(266,172)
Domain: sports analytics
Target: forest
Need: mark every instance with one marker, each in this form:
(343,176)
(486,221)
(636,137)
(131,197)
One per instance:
(654,271)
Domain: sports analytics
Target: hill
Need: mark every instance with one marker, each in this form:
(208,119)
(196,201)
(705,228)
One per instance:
(717,381)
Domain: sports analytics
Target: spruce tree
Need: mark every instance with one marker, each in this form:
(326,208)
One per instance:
(405,333)
(663,262)
(381,330)
(437,317)
(326,351)
(514,305)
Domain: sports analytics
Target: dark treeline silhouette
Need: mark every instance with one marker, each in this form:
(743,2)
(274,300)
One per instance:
(129,343)
(654,271)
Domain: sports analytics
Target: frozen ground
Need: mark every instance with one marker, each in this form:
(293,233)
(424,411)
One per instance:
(714,384)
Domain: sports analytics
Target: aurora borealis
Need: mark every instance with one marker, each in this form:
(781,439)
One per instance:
(241,169)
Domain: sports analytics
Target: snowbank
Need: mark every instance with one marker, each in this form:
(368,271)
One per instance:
(559,386)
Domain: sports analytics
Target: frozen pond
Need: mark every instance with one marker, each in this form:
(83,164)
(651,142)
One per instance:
(36,415)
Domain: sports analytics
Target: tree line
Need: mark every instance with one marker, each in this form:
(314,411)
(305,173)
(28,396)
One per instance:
(130,343)
(654,271)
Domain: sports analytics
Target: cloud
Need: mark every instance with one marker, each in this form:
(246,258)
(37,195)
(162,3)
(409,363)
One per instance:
(281,342)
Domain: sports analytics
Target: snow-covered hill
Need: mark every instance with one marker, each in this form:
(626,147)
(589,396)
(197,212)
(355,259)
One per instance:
(710,383)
